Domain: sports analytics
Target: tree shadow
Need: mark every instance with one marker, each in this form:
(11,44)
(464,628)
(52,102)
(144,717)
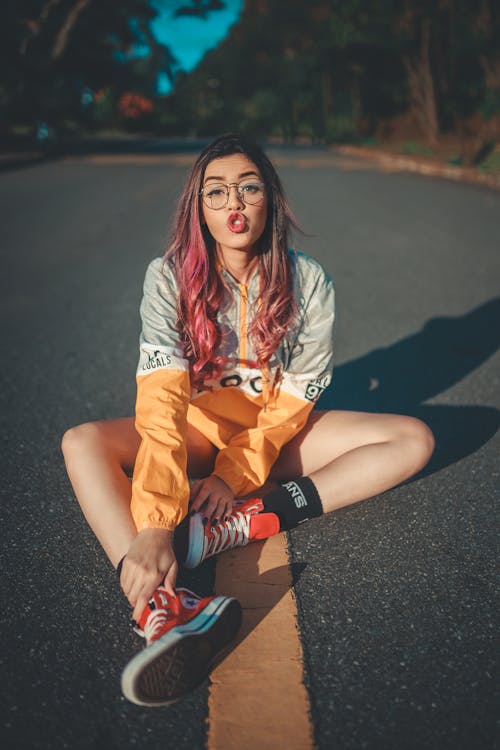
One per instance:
(401,377)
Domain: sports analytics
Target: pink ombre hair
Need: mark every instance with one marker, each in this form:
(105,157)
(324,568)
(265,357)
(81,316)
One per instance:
(201,289)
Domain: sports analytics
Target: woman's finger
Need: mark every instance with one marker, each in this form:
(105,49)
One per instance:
(170,579)
(214,510)
(228,509)
(145,593)
(142,601)
(198,507)
(218,514)
(201,497)
(137,589)
(209,508)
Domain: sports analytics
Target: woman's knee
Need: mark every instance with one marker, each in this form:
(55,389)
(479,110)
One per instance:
(82,439)
(116,440)
(419,439)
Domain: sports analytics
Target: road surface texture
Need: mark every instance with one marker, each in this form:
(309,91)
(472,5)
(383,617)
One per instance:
(395,596)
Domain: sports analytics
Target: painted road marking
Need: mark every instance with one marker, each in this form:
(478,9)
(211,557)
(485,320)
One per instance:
(257,697)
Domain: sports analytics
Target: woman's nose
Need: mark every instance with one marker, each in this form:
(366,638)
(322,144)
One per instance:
(234,200)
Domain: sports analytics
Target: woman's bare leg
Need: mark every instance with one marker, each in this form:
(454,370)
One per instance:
(99,458)
(351,456)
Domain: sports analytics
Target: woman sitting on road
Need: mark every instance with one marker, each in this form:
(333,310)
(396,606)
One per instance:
(236,347)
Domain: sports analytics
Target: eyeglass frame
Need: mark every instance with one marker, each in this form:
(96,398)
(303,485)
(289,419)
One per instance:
(229,185)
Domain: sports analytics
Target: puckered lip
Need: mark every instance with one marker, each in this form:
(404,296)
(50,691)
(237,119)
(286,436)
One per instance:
(236,222)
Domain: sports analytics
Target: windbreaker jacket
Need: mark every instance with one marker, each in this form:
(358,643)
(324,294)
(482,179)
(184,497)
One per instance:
(247,419)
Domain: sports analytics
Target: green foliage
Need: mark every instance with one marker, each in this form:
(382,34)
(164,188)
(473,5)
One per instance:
(340,129)
(370,142)
(490,104)
(259,111)
(417,149)
(491,164)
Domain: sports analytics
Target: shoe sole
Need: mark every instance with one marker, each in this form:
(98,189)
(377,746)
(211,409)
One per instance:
(175,664)
(196,542)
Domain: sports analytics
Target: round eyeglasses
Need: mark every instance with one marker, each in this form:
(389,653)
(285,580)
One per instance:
(216,195)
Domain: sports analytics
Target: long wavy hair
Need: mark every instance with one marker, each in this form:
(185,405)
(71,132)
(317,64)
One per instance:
(201,289)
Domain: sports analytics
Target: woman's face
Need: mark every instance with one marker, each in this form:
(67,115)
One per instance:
(240,224)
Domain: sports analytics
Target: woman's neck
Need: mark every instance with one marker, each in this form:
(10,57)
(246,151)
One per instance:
(241,265)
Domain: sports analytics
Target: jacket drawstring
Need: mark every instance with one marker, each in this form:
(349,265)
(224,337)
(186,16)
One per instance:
(269,390)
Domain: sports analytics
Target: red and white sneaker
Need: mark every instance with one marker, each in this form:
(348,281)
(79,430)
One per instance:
(185,636)
(247,523)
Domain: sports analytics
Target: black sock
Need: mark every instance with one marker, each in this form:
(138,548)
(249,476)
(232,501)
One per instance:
(294,502)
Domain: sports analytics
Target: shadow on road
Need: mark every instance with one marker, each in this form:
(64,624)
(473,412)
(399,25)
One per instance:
(240,575)
(401,377)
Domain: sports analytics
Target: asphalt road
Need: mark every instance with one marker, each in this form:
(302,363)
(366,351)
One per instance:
(396,595)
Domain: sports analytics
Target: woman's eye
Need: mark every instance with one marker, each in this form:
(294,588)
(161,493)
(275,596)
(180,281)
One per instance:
(250,187)
(215,192)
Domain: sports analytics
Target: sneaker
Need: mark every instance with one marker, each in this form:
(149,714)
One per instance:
(247,523)
(185,636)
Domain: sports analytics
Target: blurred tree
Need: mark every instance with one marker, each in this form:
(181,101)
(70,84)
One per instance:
(335,69)
(327,70)
(55,53)
(480,130)
(448,48)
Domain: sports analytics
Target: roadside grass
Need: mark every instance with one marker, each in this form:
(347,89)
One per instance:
(412,148)
(491,165)
(446,153)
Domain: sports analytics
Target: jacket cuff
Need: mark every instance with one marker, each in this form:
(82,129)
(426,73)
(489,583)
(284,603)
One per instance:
(151,524)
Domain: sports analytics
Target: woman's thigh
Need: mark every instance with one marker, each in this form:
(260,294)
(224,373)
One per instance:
(120,438)
(329,434)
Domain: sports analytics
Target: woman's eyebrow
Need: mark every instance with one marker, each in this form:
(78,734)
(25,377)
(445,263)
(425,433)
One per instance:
(240,176)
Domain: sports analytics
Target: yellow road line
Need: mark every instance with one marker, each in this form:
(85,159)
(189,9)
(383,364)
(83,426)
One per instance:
(257,699)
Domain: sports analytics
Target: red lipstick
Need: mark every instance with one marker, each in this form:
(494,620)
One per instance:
(236,222)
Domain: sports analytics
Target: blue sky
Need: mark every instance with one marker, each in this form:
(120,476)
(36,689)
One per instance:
(189,38)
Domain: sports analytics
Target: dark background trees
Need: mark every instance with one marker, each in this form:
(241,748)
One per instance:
(67,63)
(335,70)
(321,70)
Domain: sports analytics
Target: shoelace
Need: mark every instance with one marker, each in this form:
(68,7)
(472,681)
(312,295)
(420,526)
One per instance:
(235,532)
(155,624)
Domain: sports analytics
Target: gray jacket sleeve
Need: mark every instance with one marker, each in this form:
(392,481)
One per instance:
(310,364)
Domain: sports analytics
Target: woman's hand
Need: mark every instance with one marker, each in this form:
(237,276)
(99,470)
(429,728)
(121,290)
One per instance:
(212,497)
(149,562)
